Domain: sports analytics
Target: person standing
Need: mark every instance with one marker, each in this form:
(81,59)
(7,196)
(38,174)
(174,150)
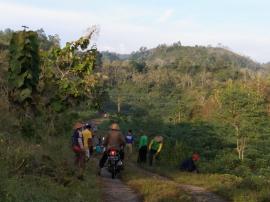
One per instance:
(78,149)
(129,142)
(155,147)
(87,140)
(142,149)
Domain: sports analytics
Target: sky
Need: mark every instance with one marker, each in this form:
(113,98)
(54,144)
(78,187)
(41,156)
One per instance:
(124,25)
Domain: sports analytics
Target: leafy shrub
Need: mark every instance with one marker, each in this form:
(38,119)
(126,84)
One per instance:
(254,183)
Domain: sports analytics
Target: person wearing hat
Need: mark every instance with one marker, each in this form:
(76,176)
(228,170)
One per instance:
(78,148)
(114,139)
(154,148)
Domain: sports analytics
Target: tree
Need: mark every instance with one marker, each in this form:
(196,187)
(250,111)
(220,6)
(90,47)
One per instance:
(71,71)
(47,42)
(24,70)
(23,78)
(138,66)
(245,111)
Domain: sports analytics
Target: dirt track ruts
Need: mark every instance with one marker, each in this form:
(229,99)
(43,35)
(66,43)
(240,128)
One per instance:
(114,190)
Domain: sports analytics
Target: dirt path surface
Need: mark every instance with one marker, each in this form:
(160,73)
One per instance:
(200,194)
(114,190)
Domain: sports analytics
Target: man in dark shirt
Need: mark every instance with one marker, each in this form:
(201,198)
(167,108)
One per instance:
(129,142)
(189,164)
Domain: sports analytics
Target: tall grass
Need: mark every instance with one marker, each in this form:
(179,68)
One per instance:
(40,168)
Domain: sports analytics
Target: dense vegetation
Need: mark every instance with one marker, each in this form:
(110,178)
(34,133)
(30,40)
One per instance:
(204,99)
(43,89)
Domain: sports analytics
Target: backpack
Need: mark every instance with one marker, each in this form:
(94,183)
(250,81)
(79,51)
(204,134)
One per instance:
(74,138)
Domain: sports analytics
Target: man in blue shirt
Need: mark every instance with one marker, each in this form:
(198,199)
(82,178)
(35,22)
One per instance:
(129,141)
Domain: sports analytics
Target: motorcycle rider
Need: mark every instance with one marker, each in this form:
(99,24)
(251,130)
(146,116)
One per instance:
(114,139)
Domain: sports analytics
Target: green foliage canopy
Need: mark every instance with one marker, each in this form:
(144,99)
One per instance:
(24,67)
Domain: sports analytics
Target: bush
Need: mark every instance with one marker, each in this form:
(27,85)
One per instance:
(254,183)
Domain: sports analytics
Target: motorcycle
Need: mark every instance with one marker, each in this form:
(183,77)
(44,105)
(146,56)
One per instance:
(114,162)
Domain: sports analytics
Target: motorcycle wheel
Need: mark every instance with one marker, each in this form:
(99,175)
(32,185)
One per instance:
(113,173)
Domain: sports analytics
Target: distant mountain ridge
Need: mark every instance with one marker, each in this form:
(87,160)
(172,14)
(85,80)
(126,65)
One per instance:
(178,57)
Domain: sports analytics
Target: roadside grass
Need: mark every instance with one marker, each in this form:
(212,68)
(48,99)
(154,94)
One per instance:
(249,189)
(231,187)
(153,189)
(43,172)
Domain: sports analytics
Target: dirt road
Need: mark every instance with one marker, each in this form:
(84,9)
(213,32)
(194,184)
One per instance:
(114,190)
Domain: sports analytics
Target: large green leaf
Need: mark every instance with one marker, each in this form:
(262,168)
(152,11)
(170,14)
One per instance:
(25,93)
(23,65)
(20,80)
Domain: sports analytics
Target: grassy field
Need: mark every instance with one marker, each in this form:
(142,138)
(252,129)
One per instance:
(43,173)
(153,189)
(233,188)
(230,187)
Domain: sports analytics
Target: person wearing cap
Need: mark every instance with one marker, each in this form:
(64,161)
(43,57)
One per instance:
(114,139)
(189,165)
(78,148)
(154,148)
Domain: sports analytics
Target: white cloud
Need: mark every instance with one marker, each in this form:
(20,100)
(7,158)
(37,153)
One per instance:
(119,31)
(165,16)
(14,12)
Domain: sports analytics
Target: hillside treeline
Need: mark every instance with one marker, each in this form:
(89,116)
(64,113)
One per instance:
(208,100)
(205,99)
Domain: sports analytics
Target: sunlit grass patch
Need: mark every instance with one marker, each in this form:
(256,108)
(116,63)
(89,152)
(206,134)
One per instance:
(43,173)
(231,187)
(153,189)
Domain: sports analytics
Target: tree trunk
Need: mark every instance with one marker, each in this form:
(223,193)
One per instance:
(118,104)
(174,119)
(241,146)
(238,149)
(244,139)
(240,143)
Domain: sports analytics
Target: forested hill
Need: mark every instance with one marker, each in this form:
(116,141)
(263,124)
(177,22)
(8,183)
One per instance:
(205,99)
(186,59)
(167,75)
(200,99)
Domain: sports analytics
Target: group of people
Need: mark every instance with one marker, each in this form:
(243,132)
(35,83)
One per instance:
(153,149)
(125,144)
(84,143)
(83,146)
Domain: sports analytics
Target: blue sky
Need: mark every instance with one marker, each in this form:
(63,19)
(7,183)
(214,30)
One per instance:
(125,25)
